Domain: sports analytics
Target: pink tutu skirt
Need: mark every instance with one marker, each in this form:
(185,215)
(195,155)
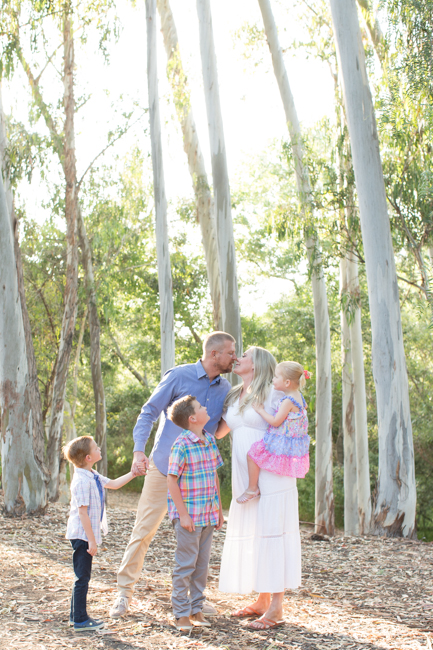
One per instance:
(295,466)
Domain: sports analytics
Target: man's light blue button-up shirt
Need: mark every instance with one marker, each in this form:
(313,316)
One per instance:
(190,379)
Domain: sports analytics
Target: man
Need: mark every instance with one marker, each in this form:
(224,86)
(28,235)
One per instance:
(203,380)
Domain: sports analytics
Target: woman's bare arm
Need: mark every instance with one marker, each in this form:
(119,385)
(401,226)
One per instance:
(222,429)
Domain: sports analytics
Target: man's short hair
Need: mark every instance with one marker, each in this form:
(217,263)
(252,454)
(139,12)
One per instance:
(77,449)
(215,341)
(181,410)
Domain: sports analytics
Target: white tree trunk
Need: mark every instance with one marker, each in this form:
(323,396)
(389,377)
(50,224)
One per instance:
(70,295)
(348,415)
(23,475)
(361,426)
(223,215)
(161,231)
(95,344)
(205,206)
(395,501)
(324,482)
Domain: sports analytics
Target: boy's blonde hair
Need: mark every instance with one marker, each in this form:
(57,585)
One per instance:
(77,449)
(181,410)
(293,371)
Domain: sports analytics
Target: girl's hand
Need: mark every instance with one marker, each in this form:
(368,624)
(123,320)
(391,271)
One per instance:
(258,408)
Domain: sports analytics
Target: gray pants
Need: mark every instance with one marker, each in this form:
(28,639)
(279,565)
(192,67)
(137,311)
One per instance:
(190,569)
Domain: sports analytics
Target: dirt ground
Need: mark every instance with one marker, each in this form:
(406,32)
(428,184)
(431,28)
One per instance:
(357,593)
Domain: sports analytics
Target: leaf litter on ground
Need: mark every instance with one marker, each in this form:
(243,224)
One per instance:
(358,593)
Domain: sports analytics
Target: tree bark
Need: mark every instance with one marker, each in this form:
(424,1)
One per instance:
(205,206)
(395,501)
(24,476)
(361,426)
(349,434)
(324,482)
(95,344)
(224,225)
(165,282)
(70,295)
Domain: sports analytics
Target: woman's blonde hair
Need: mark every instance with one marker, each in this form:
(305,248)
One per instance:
(264,368)
(293,371)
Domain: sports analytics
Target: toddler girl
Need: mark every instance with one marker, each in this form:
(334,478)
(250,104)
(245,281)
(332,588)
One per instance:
(284,448)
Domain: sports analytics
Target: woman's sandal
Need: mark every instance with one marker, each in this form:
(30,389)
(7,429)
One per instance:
(248,496)
(246,612)
(264,624)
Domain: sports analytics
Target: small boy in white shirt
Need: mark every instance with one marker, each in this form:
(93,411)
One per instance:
(86,519)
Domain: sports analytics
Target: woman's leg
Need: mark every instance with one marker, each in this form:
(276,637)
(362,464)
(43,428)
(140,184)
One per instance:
(258,608)
(273,614)
(275,609)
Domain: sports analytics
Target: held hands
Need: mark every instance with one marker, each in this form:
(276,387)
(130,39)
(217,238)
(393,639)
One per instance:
(187,523)
(140,464)
(93,549)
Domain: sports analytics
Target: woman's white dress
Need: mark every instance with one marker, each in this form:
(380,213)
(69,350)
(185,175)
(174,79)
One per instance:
(262,549)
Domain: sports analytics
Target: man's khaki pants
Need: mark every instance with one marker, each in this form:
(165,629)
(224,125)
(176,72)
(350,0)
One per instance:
(150,512)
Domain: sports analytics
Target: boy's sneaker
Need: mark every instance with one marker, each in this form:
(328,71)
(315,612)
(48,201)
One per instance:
(120,607)
(90,624)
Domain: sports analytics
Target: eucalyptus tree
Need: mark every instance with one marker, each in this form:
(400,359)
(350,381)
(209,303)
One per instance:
(165,282)
(224,225)
(395,502)
(24,475)
(324,484)
(63,145)
(191,143)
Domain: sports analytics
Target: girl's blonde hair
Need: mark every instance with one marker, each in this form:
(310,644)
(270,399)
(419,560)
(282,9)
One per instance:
(258,391)
(293,371)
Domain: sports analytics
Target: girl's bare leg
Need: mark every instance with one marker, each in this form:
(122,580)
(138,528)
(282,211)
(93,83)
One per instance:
(253,475)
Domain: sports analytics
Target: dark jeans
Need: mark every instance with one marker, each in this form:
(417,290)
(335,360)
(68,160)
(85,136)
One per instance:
(82,561)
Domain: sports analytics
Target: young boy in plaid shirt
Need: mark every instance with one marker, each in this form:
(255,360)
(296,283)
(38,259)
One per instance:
(194,506)
(87,518)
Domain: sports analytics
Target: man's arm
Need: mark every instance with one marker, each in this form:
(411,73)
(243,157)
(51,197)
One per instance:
(161,398)
(174,489)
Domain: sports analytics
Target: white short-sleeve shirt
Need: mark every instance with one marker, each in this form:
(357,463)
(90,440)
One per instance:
(84,492)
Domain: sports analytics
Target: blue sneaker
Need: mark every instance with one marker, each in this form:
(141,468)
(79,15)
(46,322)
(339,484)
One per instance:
(90,624)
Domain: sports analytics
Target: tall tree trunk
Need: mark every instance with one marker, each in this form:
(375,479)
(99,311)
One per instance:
(59,148)
(349,433)
(395,501)
(165,283)
(361,427)
(24,476)
(353,317)
(224,225)
(70,296)
(95,343)
(205,206)
(324,482)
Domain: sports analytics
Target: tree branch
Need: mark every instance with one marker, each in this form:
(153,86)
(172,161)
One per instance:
(122,133)
(125,362)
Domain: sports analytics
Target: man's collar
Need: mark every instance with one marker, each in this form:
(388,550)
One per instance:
(201,372)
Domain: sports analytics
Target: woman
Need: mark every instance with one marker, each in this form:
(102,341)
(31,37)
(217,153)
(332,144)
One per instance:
(262,549)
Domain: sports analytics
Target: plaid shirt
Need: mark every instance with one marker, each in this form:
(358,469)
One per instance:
(84,492)
(195,462)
